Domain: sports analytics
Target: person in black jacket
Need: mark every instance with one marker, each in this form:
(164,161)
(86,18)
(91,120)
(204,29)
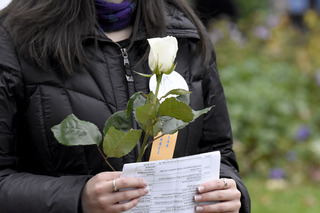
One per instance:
(60,57)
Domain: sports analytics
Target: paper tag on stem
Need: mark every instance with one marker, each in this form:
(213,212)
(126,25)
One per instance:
(163,147)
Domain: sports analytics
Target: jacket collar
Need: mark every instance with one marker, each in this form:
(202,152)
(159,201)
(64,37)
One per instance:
(177,25)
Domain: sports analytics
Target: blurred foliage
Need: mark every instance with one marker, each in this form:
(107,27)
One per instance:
(271,77)
(246,8)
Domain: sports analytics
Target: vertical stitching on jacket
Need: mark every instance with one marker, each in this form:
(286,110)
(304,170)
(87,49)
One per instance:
(45,128)
(108,73)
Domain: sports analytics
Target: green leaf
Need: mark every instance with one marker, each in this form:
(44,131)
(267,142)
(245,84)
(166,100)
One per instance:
(176,92)
(150,98)
(145,114)
(74,132)
(156,128)
(117,143)
(171,125)
(119,120)
(200,112)
(176,109)
(144,75)
(135,101)
(184,98)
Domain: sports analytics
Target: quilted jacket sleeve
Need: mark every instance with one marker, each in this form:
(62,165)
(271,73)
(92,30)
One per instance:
(217,133)
(25,192)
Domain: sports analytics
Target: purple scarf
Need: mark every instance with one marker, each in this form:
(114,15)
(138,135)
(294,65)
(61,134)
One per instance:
(112,16)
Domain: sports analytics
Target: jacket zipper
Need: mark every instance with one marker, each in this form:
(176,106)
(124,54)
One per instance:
(131,89)
(127,67)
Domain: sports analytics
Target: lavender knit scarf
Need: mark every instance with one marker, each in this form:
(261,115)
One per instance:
(112,16)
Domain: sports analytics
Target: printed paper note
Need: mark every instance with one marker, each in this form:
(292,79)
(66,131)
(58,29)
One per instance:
(173,182)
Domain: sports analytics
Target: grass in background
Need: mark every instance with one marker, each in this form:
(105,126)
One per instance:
(269,196)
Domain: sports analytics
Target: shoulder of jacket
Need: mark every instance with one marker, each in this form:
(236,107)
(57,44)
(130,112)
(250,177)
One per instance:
(8,54)
(177,24)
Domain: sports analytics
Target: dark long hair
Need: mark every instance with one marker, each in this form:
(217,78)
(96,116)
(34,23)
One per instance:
(47,31)
(51,31)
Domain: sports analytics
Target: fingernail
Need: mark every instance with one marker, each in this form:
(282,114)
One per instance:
(197,197)
(200,189)
(146,190)
(199,208)
(145,182)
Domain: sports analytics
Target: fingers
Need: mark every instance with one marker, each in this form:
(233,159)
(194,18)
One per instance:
(230,206)
(122,183)
(121,207)
(107,182)
(223,195)
(218,195)
(99,193)
(106,176)
(129,189)
(128,196)
(217,185)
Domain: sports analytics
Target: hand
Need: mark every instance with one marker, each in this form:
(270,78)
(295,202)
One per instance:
(226,193)
(99,195)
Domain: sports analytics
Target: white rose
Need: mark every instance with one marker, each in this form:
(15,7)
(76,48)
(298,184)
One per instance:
(162,54)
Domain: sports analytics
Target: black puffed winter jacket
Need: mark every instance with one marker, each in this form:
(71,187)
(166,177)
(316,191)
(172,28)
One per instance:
(37,174)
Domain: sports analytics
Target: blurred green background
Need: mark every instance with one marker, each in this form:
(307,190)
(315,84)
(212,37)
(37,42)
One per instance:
(269,63)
